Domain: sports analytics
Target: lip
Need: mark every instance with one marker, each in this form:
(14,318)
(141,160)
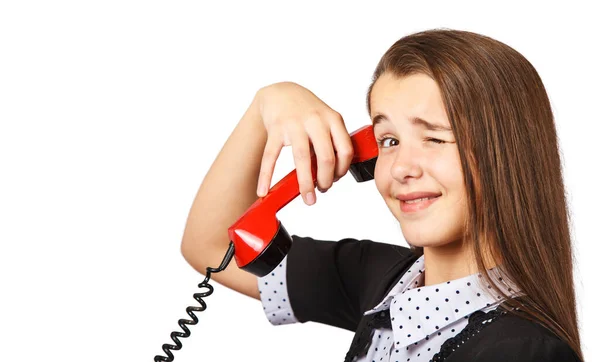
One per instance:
(416,195)
(415,207)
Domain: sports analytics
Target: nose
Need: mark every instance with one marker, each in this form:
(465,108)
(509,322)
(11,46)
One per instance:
(407,163)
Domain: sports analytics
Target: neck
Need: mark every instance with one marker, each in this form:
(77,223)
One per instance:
(447,262)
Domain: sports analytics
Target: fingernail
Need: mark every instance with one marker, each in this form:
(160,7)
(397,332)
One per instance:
(310,198)
(262,190)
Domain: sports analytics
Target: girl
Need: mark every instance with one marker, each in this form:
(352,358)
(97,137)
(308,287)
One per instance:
(468,164)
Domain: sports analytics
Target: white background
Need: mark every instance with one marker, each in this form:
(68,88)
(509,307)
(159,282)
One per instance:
(113,111)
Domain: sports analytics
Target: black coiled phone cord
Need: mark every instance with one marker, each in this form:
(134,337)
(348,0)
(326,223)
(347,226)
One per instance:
(190,310)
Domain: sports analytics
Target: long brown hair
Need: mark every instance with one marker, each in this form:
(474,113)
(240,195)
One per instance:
(504,129)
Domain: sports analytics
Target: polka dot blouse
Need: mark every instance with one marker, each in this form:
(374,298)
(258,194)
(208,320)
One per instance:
(422,317)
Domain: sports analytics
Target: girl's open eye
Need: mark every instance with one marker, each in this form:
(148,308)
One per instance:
(381,140)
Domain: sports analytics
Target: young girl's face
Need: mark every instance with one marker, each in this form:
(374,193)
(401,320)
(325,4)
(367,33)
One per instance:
(412,159)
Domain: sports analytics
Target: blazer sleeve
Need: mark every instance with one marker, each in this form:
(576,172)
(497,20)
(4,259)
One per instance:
(528,349)
(330,282)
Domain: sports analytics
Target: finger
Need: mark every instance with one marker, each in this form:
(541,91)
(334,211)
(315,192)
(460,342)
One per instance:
(270,155)
(318,133)
(301,152)
(342,143)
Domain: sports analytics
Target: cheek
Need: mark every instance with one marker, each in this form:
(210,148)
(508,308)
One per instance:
(449,171)
(377,177)
(382,175)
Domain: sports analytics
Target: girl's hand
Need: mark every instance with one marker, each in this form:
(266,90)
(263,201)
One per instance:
(293,115)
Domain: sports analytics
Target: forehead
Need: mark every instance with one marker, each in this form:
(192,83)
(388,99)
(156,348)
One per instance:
(416,95)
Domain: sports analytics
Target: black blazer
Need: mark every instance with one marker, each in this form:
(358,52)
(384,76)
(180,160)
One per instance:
(335,282)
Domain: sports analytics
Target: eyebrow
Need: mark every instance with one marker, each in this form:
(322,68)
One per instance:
(418,121)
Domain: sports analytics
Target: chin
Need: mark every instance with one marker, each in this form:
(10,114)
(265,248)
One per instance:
(434,243)
(432,240)
(422,244)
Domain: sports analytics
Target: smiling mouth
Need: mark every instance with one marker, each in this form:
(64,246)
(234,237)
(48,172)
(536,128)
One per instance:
(417,205)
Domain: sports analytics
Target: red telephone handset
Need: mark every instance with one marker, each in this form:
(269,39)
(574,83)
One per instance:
(260,240)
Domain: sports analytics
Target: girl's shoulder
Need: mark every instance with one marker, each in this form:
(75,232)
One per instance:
(502,336)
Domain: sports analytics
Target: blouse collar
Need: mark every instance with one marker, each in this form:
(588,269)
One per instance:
(417,311)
